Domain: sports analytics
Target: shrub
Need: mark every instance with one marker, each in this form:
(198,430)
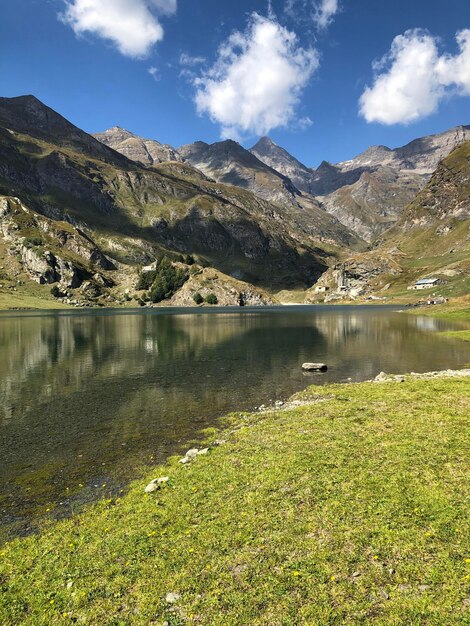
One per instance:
(163,281)
(146,280)
(212,299)
(32,242)
(189,259)
(198,299)
(56,292)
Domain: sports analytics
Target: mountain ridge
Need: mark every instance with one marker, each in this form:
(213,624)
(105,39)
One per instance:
(134,214)
(366,194)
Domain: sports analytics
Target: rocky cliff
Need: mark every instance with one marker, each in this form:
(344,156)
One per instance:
(145,151)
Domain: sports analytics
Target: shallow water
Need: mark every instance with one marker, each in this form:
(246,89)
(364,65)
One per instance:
(87,397)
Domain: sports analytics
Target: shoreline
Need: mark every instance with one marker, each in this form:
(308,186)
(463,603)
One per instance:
(211,499)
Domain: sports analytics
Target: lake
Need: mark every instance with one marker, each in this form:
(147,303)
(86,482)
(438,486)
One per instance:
(88,397)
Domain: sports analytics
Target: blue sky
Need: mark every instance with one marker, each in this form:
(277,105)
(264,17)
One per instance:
(311,73)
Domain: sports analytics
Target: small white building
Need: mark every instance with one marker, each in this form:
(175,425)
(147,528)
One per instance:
(426,283)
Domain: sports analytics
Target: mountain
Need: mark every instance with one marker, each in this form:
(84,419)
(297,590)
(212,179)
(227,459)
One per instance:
(145,151)
(280,160)
(29,116)
(421,156)
(78,214)
(431,238)
(438,219)
(368,193)
(228,162)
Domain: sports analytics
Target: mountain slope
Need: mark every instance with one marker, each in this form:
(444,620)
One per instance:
(28,115)
(228,162)
(368,193)
(145,151)
(430,239)
(133,213)
(280,160)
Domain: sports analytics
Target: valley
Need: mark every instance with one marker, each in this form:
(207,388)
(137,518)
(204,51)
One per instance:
(82,217)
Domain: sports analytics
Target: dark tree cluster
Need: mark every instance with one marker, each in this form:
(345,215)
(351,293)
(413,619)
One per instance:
(162,282)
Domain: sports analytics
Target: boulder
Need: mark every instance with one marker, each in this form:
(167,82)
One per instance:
(156,484)
(315,367)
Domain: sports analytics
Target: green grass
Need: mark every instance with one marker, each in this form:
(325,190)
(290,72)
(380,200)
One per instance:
(351,509)
(30,296)
(464,335)
(457,309)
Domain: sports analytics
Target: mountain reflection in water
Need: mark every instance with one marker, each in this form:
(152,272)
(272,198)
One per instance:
(87,398)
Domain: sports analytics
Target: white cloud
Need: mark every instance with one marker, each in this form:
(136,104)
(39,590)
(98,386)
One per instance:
(413,78)
(131,25)
(189,61)
(321,12)
(324,12)
(256,82)
(154,73)
(304,122)
(455,70)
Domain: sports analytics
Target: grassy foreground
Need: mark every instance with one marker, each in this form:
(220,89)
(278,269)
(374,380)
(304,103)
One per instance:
(349,509)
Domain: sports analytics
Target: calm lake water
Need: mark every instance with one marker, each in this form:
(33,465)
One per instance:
(87,397)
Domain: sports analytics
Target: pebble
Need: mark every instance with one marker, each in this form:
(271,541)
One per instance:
(151,487)
(171,598)
(156,484)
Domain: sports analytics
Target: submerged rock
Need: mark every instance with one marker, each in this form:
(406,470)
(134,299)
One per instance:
(315,367)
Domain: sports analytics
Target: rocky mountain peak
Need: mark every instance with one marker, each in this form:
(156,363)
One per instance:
(28,115)
(145,151)
(272,155)
(265,143)
(229,162)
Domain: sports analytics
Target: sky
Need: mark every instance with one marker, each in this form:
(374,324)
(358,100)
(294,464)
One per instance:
(323,78)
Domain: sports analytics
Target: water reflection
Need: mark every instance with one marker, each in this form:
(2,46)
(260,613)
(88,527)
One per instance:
(86,398)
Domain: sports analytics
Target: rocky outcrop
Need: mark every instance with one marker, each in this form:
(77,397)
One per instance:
(357,277)
(145,151)
(228,290)
(74,259)
(47,268)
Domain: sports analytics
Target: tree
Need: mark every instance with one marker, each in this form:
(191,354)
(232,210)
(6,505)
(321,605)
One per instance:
(211,298)
(198,299)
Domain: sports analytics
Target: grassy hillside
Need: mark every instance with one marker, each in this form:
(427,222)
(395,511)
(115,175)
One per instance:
(431,239)
(135,213)
(349,507)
